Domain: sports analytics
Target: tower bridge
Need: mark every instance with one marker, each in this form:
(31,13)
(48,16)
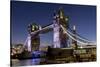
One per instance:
(61,33)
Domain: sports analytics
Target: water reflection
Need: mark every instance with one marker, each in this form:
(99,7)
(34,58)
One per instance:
(27,62)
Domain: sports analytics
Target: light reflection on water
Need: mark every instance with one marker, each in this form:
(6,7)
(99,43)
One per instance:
(27,62)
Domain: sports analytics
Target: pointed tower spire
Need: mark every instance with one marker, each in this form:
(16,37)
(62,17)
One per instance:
(61,13)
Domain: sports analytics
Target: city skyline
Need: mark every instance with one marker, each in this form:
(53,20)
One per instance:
(24,13)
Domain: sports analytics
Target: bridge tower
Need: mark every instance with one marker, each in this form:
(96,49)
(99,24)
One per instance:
(74,43)
(34,39)
(60,38)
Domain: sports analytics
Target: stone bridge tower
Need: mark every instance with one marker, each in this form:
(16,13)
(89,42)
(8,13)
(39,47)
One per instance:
(60,38)
(34,41)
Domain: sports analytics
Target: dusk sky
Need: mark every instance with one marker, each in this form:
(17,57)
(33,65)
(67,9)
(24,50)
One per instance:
(24,13)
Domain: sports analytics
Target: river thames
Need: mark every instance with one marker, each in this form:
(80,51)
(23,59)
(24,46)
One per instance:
(28,62)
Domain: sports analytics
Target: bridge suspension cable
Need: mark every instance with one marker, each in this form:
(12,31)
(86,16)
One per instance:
(79,37)
(25,43)
(72,36)
(69,29)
